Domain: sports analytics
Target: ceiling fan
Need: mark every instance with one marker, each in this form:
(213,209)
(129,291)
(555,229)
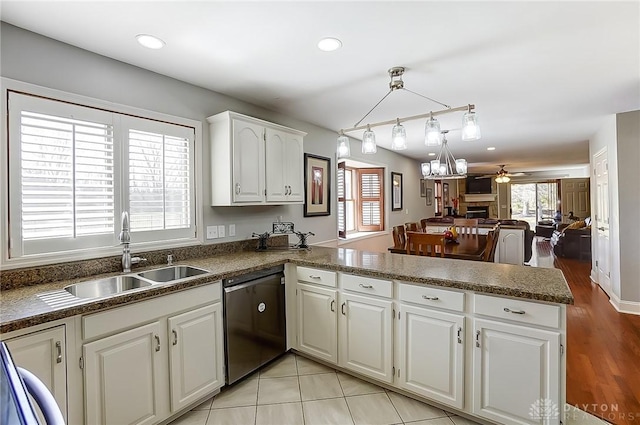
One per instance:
(501,174)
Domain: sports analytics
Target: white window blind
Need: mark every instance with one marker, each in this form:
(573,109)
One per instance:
(371,199)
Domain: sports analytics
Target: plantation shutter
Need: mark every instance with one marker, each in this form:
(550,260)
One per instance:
(342,219)
(371,215)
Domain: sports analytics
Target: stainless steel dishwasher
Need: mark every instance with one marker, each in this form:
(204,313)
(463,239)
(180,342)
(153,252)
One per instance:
(254,320)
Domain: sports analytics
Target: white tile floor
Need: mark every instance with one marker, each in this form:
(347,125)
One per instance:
(297,391)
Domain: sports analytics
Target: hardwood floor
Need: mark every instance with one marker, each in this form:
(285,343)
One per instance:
(603,348)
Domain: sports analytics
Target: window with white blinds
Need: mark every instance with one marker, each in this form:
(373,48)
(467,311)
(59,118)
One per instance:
(371,199)
(360,199)
(74,169)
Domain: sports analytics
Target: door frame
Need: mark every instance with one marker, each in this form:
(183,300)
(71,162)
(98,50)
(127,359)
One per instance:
(604,281)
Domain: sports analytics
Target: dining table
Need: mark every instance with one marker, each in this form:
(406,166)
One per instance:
(466,247)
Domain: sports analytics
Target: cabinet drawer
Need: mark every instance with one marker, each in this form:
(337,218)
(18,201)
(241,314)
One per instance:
(432,297)
(517,311)
(319,277)
(367,285)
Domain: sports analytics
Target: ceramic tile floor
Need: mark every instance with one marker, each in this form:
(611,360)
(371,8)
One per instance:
(297,391)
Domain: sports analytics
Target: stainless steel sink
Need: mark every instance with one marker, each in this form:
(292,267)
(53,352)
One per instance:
(169,274)
(104,287)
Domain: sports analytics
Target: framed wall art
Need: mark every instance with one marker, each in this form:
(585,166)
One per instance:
(429,196)
(423,188)
(317,185)
(396,191)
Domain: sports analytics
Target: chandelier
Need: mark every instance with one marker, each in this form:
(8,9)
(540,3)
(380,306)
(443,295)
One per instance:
(445,166)
(433,134)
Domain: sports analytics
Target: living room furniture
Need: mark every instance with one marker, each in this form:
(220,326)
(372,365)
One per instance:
(466,225)
(573,242)
(432,244)
(545,228)
(469,247)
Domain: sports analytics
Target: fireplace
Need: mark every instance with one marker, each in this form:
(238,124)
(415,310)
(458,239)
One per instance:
(477,212)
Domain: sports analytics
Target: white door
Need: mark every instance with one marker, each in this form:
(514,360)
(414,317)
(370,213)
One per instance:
(294,164)
(365,337)
(121,377)
(317,327)
(510,249)
(248,162)
(602,246)
(43,354)
(196,354)
(275,151)
(432,354)
(516,374)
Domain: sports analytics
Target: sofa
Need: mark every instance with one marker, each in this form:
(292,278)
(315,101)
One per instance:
(573,241)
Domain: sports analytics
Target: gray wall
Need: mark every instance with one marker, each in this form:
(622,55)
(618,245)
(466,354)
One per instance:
(31,58)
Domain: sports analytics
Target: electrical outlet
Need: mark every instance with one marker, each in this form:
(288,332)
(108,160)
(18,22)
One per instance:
(212,232)
(221,231)
(232,230)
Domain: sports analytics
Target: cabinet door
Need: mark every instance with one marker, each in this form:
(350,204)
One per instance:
(432,354)
(365,336)
(121,377)
(248,162)
(516,374)
(317,327)
(511,247)
(196,355)
(294,164)
(43,354)
(276,164)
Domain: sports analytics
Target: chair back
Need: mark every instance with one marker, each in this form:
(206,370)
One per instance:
(492,243)
(399,237)
(419,243)
(423,224)
(412,227)
(466,226)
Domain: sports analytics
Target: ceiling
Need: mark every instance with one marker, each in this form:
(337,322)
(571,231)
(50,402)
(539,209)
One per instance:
(542,75)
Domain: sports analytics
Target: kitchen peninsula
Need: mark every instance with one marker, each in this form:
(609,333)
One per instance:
(376,315)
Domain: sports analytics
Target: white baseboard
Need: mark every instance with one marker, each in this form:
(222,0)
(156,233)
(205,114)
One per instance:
(629,307)
(593,276)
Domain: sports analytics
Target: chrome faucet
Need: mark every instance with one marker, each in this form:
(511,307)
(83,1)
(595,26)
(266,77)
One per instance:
(125,239)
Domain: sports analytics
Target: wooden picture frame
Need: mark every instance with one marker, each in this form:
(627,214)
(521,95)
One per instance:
(429,196)
(317,185)
(423,188)
(396,191)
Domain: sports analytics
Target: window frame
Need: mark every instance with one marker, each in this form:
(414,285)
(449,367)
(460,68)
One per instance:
(14,86)
(355,197)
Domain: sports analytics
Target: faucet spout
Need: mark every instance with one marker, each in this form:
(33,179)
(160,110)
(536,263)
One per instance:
(125,239)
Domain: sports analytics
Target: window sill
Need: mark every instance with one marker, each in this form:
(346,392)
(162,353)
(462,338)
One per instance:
(359,236)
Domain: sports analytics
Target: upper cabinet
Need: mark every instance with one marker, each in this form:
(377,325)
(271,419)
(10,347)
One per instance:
(254,162)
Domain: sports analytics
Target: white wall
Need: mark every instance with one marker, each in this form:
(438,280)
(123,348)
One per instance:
(31,58)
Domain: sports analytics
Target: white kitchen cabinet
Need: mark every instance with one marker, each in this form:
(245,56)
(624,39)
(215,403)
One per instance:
(196,354)
(122,384)
(254,162)
(510,249)
(317,321)
(43,353)
(516,373)
(365,335)
(431,353)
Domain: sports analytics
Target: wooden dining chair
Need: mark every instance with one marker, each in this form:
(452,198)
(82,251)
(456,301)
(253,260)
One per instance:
(412,227)
(492,244)
(419,243)
(466,226)
(399,237)
(423,224)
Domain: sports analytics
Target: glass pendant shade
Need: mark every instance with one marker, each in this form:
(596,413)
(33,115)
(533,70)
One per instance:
(398,137)
(432,135)
(435,166)
(470,127)
(425,167)
(503,179)
(443,169)
(344,147)
(369,142)
(461,166)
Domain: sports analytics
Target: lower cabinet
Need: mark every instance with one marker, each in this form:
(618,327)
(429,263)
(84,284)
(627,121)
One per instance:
(317,322)
(431,353)
(516,374)
(43,353)
(510,249)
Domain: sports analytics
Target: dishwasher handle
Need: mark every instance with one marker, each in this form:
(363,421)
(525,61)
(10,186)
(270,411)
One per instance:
(249,284)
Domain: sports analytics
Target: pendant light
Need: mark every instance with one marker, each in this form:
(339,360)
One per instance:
(432,135)
(425,167)
(344,146)
(470,127)
(369,142)
(398,137)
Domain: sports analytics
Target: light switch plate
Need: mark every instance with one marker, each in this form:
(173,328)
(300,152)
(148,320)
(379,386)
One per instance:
(212,232)
(232,230)
(221,231)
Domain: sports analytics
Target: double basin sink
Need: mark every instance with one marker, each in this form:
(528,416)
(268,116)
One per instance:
(118,284)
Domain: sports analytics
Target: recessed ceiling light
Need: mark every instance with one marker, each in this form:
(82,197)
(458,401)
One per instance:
(432,154)
(329,44)
(150,41)
(491,148)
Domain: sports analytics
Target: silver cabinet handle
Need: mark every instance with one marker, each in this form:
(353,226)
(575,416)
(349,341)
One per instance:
(342,308)
(601,228)
(59,352)
(333,304)
(157,342)
(362,285)
(477,338)
(312,276)
(237,188)
(508,310)
(459,335)
(430,298)
(175,337)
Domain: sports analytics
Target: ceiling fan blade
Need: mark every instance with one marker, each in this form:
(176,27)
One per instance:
(486,176)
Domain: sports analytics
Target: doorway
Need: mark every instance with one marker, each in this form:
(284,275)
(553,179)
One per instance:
(533,202)
(602,250)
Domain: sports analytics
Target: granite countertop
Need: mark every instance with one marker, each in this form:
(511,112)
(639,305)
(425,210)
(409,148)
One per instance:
(21,307)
